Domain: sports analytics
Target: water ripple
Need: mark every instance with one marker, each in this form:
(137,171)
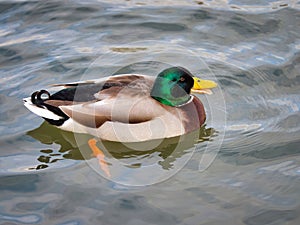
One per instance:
(252,49)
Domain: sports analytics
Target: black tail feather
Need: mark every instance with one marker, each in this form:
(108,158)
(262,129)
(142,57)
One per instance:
(36,97)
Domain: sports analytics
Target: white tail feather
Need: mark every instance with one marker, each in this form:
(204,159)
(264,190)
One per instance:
(43,112)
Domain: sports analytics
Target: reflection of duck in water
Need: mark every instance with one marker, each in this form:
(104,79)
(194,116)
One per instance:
(126,108)
(75,147)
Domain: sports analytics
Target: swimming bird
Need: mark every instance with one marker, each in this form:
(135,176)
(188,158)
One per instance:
(126,107)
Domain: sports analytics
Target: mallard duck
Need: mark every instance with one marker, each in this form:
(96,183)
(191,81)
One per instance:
(126,107)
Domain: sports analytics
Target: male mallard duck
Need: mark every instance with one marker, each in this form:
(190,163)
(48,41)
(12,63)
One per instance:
(127,107)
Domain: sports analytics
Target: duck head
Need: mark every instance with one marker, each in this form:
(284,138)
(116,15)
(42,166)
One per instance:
(173,86)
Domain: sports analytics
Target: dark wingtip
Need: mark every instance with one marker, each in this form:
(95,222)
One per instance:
(36,97)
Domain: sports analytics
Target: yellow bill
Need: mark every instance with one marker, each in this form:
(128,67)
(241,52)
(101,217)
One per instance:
(203,86)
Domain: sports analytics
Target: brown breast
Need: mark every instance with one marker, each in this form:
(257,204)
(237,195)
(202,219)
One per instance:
(194,115)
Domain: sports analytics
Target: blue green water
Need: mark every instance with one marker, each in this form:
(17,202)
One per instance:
(249,150)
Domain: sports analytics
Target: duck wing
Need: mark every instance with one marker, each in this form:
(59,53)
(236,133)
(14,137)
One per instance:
(123,98)
(90,90)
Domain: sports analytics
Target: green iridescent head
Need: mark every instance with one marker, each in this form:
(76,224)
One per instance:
(173,86)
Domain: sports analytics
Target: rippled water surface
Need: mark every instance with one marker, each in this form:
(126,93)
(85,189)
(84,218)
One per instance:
(243,168)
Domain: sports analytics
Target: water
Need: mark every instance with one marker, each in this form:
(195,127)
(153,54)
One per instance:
(251,48)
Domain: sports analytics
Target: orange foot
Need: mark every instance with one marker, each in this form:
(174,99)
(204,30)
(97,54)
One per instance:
(100,156)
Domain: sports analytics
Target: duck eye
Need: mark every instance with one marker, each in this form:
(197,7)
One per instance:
(182,79)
